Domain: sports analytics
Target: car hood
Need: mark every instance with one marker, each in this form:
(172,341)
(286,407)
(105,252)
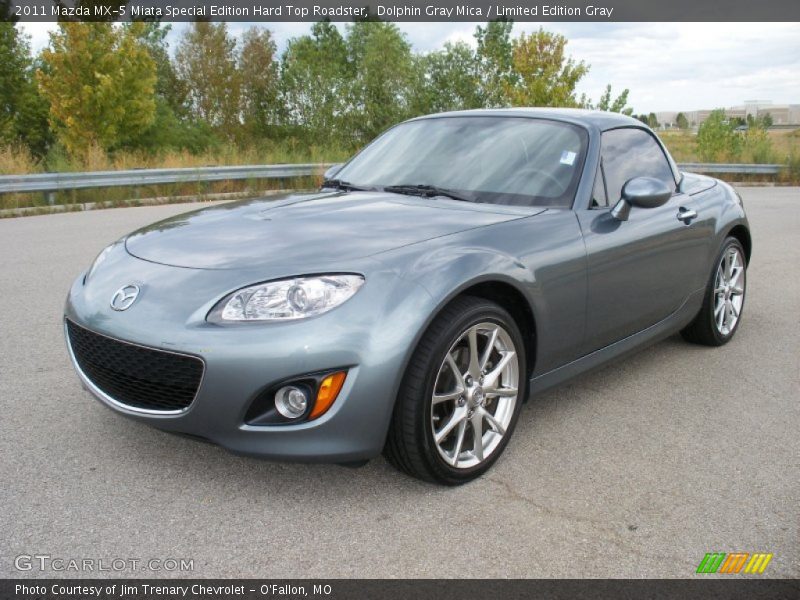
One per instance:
(307,228)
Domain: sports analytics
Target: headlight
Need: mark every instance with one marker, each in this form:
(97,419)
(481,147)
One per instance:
(286,299)
(98,261)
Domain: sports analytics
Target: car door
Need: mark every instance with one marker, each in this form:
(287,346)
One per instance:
(641,270)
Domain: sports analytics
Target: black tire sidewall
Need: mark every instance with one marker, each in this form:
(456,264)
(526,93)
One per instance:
(724,339)
(480,313)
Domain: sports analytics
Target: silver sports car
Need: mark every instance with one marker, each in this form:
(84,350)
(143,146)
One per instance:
(457,266)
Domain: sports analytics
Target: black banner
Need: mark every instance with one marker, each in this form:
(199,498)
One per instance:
(733,588)
(401,10)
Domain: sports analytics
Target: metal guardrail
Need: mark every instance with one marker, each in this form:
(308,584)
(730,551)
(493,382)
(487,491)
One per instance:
(738,168)
(50,183)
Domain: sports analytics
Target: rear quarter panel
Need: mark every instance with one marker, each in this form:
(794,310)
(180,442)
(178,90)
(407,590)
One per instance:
(719,211)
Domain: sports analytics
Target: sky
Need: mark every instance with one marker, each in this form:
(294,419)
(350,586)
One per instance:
(666,66)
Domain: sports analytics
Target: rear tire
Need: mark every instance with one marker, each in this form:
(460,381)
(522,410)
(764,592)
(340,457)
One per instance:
(465,382)
(723,303)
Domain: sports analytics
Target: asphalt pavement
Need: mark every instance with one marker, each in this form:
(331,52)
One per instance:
(635,470)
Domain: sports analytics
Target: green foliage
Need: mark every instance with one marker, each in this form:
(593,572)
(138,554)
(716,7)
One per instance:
(495,63)
(756,146)
(116,89)
(171,133)
(261,111)
(762,121)
(23,111)
(716,138)
(545,75)
(447,79)
(767,120)
(606,103)
(169,87)
(315,82)
(100,83)
(381,68)
(347,88)
(206,63)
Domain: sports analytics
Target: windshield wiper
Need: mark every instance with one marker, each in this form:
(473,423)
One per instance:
(425,190)
(342,185)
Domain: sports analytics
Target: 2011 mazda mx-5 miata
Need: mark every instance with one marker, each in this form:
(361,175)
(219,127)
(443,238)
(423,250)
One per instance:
(458,264)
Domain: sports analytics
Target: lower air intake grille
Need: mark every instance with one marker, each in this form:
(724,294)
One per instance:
(136,376)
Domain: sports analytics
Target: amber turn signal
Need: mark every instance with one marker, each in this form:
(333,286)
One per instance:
(329,389)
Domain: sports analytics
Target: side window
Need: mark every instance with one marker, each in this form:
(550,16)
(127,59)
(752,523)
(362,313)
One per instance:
(599,198)
(628,153)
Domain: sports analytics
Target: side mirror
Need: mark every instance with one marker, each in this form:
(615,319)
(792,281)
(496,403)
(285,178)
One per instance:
(642,192)
(332,171)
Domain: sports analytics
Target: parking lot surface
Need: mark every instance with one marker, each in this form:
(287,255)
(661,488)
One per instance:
(634,470)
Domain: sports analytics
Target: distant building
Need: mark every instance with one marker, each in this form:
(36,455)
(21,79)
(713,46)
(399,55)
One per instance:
(782,114)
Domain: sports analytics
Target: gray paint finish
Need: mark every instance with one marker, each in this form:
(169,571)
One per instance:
(597,288)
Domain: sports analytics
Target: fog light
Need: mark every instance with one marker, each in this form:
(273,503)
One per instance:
(291,402)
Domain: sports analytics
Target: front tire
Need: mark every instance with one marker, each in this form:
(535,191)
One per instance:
(721,313)
(461,394)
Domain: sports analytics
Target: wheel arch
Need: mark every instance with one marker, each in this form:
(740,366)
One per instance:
(741,233)
(502,291)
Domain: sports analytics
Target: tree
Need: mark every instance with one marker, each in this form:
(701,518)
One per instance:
(447,80)
(206,63)
(681,121)
(14,63)
(174,126)
(169,87)
(260,82)
(762,121)
(100,82)
(756,146)
(618,104)
(315,83)
(495,62)
(545,75)
(652,120)
(381,66)
(23,110)
(716,138)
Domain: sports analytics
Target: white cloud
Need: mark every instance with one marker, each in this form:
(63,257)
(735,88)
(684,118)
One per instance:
(666,66)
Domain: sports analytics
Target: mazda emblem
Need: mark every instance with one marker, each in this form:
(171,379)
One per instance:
(124,297)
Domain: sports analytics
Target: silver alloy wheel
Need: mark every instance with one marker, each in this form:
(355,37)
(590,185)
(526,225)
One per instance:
(475,395)
(729,287)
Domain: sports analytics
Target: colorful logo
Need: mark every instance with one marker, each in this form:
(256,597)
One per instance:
(719,562)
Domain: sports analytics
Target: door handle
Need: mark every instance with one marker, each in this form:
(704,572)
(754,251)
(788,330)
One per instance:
(686,214)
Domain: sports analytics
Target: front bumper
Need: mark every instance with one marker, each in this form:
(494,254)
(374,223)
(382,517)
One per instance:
(371,335)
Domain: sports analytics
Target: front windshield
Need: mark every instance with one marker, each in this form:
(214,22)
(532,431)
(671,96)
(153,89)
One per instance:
(502,160)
